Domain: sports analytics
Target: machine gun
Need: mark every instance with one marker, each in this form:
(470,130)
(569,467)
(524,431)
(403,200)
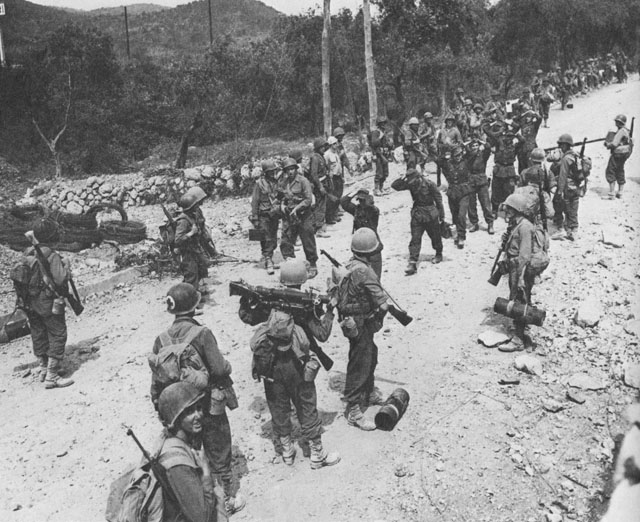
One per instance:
(396,311)
(298,303)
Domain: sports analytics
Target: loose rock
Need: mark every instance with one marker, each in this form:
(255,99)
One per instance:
(493,338)
(552,405)
(576,397)
(529,364)
(633,327)
(589,313)
(585,382)
(632,375)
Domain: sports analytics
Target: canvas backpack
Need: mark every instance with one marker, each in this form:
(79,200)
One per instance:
(264,353)
(178,360)
(539,255)
(142,499)
(27,279)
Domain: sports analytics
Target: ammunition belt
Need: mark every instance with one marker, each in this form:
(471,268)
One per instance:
(355,309)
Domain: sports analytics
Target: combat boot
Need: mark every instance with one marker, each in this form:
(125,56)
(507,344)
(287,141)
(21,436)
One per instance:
(375,397)
(490,228)
(53,379)
(412,268)
(437,258)
(474,227)
(313,271)
(460,243)
(42,370)
(235,504)
(288,451)
(269,266)
(376,190)
(320,457)
(356,418)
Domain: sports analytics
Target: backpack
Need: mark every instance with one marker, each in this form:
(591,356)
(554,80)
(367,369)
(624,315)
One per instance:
(27,279)
(179,361)
(539,256)
(264,353)
(142,499)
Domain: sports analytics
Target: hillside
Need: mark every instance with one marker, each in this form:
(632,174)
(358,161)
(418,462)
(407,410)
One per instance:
(153,30)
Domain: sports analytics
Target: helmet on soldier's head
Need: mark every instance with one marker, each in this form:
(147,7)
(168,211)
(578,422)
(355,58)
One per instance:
(449,116)
(290,163)
(46,231)
(478,106)
(413,121)
(296,155)
(293,272)
(496,93)
(269,166)
(456,151)
(468,102)
(565,138)
(332,140)
(175,399)
(537,155)
(182,299)
(318,143)
(381,119)
(364,241)
(427,115)
(459,90)
(539,71)
(338,131)
(526,90)
(517,202)
(192,197)
(621,118)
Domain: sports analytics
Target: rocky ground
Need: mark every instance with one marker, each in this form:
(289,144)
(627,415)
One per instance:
(468,449)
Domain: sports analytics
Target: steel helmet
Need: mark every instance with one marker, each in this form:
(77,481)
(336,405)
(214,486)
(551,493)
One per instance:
(381,119)
(296,155)
(459,90)
(46,231)
(289,163)
(413,121)
(293,272)
(338,131)
(539,71)
(182,299)
(621,118)
(565,138)
(537,155)
(427,115)
(332,140)
(176,398)
(364,241)
(192,197)
(318,143)
(450,116)
(269,166)
(517,202)
(478,106)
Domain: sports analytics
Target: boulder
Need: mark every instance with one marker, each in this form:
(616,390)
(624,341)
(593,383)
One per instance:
(632,327)
(193,174)
(585,382)
(588,313)
(632,375)
(493,338)
(528,364)
(106,188)
(208,172)
(74,208)
(613,237)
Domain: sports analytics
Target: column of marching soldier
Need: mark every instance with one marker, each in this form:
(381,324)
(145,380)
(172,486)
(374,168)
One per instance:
(191,384)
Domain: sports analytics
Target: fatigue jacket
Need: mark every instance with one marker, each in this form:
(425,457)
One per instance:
(265,198)
(360,292)
(40,296)
(297,193)
(424,192)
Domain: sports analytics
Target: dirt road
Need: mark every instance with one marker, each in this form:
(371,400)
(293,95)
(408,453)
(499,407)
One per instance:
(467,449)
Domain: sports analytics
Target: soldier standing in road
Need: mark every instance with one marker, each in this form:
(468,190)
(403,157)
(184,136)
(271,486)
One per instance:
(537,185)
(428,136)
(365,214)
(362,299)
(477,156)
(545,98)
(381,148)
(182,300)
(339,133)
(620,148)
(567,198)
(529,123)
(334,179)
(426,215)
(457,173)
(475,122)
(265,211)
(412,144)
(320,182)
(297,216)
(449,136)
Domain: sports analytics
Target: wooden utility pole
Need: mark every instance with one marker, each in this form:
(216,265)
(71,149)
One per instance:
(368,60)
(326,75)
(210,26)
(126,28)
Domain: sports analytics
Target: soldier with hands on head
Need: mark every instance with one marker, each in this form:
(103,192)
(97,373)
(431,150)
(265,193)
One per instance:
(265,211)
(478,153)
(457,173)
(413,144)
(427,214)
(381,147)
(620,147)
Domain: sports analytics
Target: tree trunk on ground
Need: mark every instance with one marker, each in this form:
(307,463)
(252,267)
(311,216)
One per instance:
(326,74)
(181,157)
(368,59)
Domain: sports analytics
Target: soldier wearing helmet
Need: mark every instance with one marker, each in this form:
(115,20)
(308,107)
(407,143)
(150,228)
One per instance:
(537,185)
(457,173)
(478,153)
(365,214)
(529,122)
(381,147)
(192,240)
(427,133)
(182,301)
(334,179)
(265,209)
(567,198)
(339,134)
(475,122)
(495,107)
(188,470)
(298,219)
(621,147)
(413,152)
(321,183)
(546,96)
(362,304)
(449,136)
(426,215)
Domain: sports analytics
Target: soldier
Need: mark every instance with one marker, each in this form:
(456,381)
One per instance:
(449,136)
(298,218)
(334,173)
(567,197)
(537,186)
(545,97)
(475,122)
(265,211)
(195,497)
(507,144)
(362,302)
(192,238)
(426,215)
(321,183)
(529,123)
(463,117)
(365,214)
(620,148)
(412,144)
(289,376)
(457,173)
(339,133)
(536,83)
(182,300)
(428,137)
(46,318)
(526,100)
(477,156)
(496,106)
(381,148)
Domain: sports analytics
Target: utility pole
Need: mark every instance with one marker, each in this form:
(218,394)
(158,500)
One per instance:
(368,60)
(326,75)
(210,26)
(126,28)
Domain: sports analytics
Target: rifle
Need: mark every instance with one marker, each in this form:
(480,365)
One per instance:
(583,143)
(543,210)
(158,469)
(395,309)
(496,272)
(583,187)
(298,303)
(71,296)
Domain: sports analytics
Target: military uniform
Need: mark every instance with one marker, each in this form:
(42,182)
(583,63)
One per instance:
(615,167)
(321,185)
(412,148)
(297,194)
(507,145)
(457,174)
(381,147)
(365,216)
(567,198)
(194,263)
(479,185)
(529,124)
(537,196)
(426,213)
(265,213)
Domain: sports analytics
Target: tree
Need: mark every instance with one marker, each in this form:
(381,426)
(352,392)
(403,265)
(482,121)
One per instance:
(368,58)
(326,68)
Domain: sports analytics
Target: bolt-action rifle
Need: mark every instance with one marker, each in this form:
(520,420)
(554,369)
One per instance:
(298,303)
(585,180)
(496,271)
(395,310)
(68,291)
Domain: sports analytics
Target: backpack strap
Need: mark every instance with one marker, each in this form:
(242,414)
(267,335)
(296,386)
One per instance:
(167,339)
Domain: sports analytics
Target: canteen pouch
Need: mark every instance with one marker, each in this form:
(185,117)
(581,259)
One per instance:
(349,327)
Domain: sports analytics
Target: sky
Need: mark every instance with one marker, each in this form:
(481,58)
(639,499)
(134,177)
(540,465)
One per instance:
(285,6)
